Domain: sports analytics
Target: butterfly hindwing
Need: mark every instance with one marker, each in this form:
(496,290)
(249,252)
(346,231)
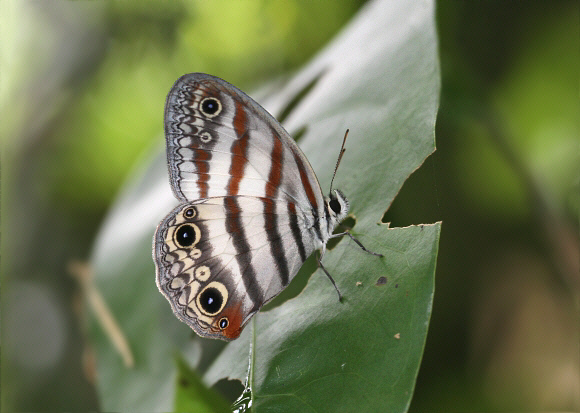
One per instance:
(220,259)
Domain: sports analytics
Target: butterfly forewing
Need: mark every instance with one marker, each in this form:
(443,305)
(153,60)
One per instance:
(238,149)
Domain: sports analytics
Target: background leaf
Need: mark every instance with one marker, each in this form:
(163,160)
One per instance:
(387,94)
(193,396)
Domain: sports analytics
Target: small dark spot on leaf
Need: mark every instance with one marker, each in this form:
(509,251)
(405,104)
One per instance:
(183,382)
(381,281)
(397,285)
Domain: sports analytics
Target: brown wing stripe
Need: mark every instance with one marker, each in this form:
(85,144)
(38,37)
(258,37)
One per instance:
(275,176)
(239,150)
(306,182)
(201,160)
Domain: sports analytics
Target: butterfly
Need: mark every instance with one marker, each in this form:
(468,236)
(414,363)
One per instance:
(251,209)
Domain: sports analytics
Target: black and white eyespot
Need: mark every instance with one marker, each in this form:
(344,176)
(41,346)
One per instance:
(223,323)
(210,107)
(186,235)
(189,212)
(205,137)
(213,298)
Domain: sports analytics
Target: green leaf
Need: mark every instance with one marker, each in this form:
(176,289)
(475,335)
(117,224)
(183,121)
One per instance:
(315,353)
(193,396)
(380,79)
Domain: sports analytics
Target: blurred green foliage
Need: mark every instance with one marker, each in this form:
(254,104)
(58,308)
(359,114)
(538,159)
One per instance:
(81,101)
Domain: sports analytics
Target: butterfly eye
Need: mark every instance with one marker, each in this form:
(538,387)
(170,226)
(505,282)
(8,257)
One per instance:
(335,206)
(186,235)
(223,323)
(189,212)
(210,107)
(213,298)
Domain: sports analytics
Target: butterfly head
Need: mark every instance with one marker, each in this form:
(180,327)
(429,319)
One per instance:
(337,207)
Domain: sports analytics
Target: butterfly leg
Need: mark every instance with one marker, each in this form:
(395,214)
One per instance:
(357,241)
(329,277)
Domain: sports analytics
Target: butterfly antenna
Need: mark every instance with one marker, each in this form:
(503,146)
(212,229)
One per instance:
(338,161)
